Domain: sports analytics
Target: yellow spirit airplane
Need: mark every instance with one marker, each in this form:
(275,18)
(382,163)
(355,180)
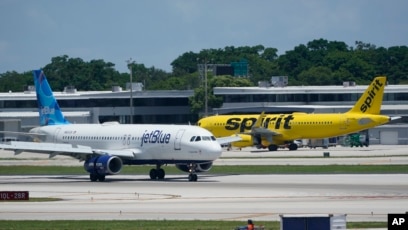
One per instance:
(270,131)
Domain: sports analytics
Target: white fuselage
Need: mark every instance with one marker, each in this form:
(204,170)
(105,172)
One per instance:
(145,142)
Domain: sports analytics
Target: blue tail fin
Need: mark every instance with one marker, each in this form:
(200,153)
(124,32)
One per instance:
(50,113)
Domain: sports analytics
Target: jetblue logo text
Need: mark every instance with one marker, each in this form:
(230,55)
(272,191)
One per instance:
(155,137)
(398,221)
(281,121)
(47,110)
(375,87)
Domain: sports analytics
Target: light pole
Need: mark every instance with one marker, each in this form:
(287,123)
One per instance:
(200,70)
(206,88)
(130,63)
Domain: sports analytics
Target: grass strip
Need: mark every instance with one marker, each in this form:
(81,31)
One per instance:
(152,224)
(225,169)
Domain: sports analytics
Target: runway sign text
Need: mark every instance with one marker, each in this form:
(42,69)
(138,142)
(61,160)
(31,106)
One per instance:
(14,195)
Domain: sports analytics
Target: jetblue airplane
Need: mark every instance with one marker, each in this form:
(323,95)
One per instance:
(106,147)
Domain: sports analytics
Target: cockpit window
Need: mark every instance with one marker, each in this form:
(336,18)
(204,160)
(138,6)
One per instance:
(204,138)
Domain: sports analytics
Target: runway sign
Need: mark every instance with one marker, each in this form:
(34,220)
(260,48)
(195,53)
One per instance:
(14,195)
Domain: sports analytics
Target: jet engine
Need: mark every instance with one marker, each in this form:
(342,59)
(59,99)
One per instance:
(203,167)
(103,165)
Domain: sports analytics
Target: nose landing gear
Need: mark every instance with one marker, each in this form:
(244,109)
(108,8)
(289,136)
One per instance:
(192,169)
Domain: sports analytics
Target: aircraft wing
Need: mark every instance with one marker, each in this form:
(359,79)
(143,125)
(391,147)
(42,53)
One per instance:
(258,129)
(53,149)
(264,132)
(229,139)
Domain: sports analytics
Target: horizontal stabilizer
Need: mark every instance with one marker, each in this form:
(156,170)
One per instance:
(394,118)
(32,135)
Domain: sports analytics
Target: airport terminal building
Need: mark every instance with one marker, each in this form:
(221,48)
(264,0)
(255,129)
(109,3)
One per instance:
(171,106)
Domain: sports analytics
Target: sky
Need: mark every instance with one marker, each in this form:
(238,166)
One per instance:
(156,32)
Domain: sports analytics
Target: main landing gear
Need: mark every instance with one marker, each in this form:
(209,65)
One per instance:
(291,147)
(157,173)
(96,177)
(272,147)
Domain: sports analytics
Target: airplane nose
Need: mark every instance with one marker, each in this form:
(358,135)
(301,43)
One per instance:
(214,150)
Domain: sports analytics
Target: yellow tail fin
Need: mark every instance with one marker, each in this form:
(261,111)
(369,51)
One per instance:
(371,100)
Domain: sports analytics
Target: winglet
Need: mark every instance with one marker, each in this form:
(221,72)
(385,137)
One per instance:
(48,108)
(371,100)
(259,121)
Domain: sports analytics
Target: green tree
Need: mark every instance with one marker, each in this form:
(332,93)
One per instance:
(319,75)
(293,62)
(15,82)
(94,75)
(397,62)
(186,63)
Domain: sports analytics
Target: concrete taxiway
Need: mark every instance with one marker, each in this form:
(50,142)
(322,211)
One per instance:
(372,155)
(375,154)
(213,197)
(368,197)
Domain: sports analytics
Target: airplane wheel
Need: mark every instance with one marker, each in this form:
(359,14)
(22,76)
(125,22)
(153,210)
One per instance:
(93,177)
(273,147)
(293,146)
(101,178)
(153,174)
(192,177)
(160,174)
